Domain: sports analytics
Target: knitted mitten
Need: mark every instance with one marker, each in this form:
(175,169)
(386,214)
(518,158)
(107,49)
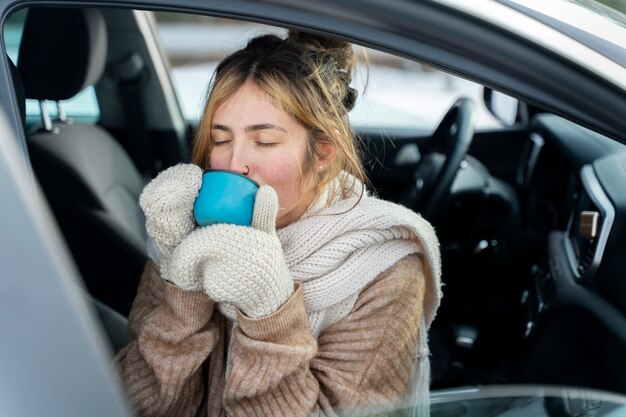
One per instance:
(167,202)
(240,265)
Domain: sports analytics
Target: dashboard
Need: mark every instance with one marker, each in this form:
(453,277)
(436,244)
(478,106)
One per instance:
(587,257)
(575,304)
(592,245)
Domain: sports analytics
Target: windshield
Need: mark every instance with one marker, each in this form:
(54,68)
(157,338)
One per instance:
(600,25)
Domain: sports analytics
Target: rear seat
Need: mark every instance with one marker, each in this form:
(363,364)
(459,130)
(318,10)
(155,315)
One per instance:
(91,183)
(113,323)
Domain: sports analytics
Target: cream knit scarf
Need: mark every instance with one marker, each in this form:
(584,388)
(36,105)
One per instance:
(339,246)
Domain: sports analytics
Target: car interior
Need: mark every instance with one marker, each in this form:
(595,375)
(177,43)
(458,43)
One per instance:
(531,217)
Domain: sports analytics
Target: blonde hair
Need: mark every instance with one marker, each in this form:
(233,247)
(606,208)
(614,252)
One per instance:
(309,77)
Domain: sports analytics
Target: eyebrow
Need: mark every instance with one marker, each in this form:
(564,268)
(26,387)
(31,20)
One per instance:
(251,128)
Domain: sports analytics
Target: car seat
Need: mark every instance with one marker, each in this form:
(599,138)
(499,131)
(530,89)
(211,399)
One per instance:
(91,183)
(113,323)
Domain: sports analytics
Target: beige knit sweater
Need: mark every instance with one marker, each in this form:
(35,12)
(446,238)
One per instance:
(175,362)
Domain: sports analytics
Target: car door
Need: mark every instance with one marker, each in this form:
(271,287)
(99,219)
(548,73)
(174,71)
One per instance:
(53,358)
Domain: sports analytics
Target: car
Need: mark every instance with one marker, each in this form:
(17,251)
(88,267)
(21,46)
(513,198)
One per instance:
(529,203)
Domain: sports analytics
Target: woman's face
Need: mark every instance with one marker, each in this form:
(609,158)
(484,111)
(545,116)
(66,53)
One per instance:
(250,134)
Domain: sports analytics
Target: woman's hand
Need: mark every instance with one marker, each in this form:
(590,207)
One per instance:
(167,202)
(240,265)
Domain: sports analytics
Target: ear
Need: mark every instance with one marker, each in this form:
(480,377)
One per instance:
(327,152)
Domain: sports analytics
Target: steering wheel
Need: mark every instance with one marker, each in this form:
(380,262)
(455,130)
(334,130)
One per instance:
(442,158)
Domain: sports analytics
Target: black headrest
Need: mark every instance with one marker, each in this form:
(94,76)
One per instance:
(19,89)
(62,51)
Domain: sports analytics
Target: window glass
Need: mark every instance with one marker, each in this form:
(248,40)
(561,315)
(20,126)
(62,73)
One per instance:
(83,106)
(399,93)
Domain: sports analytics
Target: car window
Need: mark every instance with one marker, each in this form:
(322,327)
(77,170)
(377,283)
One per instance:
(83,106)
(395,93)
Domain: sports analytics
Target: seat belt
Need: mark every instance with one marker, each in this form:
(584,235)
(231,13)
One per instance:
(131,76)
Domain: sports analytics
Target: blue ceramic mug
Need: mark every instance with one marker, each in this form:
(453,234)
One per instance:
(225,197)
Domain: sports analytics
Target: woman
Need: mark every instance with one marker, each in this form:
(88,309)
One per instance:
(325,302)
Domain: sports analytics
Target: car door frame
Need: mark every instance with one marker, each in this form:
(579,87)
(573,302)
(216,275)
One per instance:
(52,347)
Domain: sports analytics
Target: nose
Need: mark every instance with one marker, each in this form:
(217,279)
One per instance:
(238,161)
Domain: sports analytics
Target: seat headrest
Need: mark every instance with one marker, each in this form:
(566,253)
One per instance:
(62,52)
(19,89)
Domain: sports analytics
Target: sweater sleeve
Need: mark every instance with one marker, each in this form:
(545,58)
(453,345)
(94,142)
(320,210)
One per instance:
(364,360)
(171,334)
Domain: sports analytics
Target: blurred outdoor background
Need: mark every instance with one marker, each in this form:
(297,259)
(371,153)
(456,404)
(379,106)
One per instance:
(393,92)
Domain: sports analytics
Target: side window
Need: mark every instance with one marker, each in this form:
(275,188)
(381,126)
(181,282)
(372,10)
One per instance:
(399,93)
(83,106)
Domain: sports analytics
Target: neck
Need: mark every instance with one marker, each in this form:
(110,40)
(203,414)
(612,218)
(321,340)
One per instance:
(296,212)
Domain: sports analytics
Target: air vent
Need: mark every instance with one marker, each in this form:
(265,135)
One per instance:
(587,232)
(587,253)
(589,227)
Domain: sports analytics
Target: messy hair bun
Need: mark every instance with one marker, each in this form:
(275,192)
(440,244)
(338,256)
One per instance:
(336,59)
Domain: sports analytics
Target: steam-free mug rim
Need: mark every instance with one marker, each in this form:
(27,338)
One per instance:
(231,172)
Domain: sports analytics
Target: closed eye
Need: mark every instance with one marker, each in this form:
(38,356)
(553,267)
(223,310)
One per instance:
(266,144)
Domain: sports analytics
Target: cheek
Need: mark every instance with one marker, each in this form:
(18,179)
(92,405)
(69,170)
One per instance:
(284,177)
(216,162)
